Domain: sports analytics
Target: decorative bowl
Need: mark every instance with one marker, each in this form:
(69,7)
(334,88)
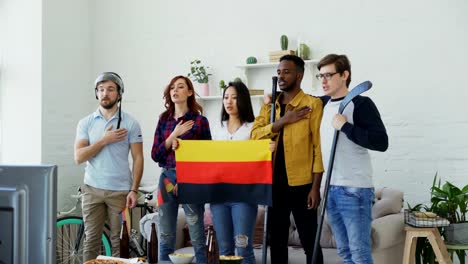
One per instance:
(178,258)
(230,259)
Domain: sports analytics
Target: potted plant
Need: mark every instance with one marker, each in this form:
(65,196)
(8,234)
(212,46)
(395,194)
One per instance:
(198,73)
(222,86)
(451,202)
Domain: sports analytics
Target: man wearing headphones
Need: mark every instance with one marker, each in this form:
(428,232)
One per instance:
(104,139)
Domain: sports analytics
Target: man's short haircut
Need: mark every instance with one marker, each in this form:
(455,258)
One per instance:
(297,61)
(341,63)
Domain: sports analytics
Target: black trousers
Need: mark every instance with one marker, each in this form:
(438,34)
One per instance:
(287,199)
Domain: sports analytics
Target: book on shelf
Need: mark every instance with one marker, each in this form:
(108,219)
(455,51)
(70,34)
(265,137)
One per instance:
(281,52)
(275,56)
(255,92)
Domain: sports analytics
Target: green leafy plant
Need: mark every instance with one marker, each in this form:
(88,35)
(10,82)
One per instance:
(449,201)
(198,72)
(222,84)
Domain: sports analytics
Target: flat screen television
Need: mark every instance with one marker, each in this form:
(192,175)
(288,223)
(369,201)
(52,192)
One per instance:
(28,208)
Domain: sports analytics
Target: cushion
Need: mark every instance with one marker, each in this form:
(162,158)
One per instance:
(387,201)
(327,240)
(293,234)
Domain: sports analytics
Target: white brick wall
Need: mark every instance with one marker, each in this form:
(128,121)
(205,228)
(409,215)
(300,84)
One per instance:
(68,93)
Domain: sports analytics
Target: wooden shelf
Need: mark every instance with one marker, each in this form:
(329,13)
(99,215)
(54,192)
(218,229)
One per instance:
(251,72)
(218,97)
(270,64)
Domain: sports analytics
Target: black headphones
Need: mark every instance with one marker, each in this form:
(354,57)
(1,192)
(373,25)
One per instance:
(110,76)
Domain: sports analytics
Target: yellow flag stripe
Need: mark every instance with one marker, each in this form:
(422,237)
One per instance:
(223,150)
(169,187)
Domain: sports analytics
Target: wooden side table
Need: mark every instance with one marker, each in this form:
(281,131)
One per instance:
(433,235)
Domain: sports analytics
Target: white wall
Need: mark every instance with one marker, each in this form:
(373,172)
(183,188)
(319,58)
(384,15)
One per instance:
(2,51)
(20,81)
(68,92)
(413,51)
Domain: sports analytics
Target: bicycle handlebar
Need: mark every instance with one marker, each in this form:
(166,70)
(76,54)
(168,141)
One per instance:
(148,189)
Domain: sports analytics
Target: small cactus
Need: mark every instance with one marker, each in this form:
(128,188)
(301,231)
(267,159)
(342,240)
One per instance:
(303,51)
(251,60)
(237,79)
(284,42)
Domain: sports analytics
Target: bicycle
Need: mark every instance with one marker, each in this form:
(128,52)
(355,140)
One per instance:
(70,231)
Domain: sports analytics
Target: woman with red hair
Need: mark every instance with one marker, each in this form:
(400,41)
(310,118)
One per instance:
(182,119)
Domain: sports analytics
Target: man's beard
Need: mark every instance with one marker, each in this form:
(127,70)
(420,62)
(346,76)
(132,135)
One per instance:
(289,87)
(109,105)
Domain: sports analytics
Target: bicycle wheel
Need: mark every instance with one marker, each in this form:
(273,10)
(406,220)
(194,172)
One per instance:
(70,237)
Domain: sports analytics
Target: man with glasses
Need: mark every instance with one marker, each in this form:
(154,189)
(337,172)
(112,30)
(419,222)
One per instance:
(298,164)
(351,192)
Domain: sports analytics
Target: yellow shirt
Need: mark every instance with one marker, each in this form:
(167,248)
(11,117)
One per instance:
(302,153)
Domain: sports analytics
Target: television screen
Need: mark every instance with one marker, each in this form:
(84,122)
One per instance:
(28,208)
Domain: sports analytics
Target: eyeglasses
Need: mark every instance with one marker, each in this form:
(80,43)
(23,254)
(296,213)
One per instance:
(327,76)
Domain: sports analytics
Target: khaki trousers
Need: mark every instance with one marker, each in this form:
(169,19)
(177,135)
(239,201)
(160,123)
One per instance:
(99,205)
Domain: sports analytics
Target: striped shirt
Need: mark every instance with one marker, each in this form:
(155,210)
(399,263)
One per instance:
(166,124)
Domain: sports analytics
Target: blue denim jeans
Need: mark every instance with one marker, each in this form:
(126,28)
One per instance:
(167,227)
(234,224)
(349,211)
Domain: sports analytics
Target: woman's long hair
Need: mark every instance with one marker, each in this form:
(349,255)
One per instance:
(191,102)
(244,103)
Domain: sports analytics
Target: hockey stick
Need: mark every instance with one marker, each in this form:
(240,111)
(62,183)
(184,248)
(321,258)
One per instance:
(361,88)
(265,220)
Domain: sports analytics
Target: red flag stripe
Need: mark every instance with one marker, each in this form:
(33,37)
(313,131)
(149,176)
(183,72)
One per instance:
(160,198)
(224,172)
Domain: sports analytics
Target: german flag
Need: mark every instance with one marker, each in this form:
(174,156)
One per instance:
(216,171)
(125,216)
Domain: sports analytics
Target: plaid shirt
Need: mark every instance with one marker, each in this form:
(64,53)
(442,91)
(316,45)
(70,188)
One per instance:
(166,157)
